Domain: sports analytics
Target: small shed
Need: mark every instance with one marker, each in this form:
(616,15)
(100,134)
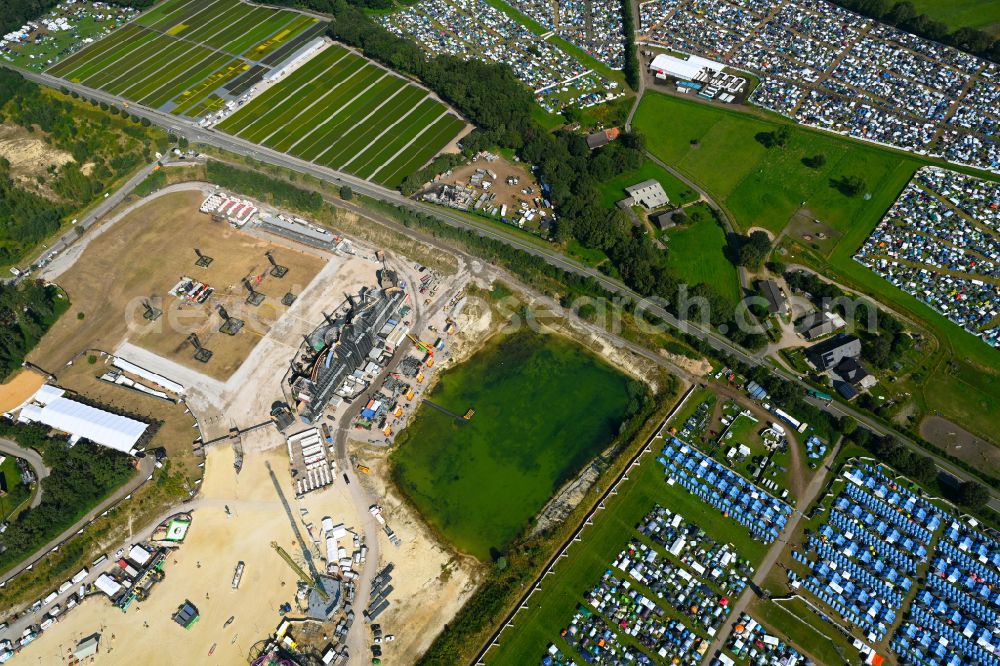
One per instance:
(87,647)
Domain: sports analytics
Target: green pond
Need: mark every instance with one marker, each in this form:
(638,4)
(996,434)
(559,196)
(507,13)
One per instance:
(544,407)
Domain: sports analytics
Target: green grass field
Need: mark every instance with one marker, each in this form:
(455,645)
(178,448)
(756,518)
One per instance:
(767,187)
(613,189)
(772,188)
(551,608)
(981,14)
(695,254)
(480,482)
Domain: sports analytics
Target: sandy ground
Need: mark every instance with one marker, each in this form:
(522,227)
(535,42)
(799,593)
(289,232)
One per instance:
(201,571)
(29,156)
(431,582)
(960,443)
(147,253)
(21,386)
(505,194)
(220,404)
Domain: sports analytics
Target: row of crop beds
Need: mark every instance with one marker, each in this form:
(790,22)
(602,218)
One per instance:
(176,56)
(343,112)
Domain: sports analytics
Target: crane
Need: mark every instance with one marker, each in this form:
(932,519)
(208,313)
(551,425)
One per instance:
(421,345)
(300,572)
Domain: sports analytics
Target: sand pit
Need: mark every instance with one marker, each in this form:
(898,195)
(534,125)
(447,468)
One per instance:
(19,388)
(29,156)
(201,571)
(431,582)
(147,252)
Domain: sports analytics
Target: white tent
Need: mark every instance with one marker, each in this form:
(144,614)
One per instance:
(107,585)
(83,421)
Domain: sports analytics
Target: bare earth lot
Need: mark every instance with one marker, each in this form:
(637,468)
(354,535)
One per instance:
(142,258)
(960,443)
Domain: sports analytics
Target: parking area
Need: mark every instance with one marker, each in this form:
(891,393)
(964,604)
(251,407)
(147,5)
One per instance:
(828,68)
(476,29)
(940,242)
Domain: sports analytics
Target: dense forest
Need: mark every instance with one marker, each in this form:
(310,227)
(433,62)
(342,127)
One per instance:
(81,476)
(26,313)
(904,16)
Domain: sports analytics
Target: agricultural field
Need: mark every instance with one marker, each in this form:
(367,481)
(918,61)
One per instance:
(189,57)
(363,119)
(480,482)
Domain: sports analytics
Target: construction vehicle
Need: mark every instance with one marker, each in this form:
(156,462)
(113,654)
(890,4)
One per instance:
(421,345)
(364,469)
(303,576)
(469,414)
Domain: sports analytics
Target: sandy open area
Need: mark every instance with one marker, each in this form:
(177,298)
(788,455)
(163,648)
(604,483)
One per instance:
(201,571)
(29,157)
(142,257)
(961,443)
(431,582)
(19,388)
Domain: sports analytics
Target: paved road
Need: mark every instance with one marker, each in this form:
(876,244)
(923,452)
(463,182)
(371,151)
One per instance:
(140,477)
(93,215)
(33,458)
(714,339)
(779,546)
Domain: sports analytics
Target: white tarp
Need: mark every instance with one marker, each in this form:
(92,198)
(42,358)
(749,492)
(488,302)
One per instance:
(160,380)
(139,555)
(83,421)
(107,585)
(683,69)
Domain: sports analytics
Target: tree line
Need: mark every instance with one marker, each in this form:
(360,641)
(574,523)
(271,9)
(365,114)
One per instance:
(278,192)
(26,313)
(904,15)
(81,477)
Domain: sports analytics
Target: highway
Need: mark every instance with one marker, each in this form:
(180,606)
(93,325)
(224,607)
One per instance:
(714,339)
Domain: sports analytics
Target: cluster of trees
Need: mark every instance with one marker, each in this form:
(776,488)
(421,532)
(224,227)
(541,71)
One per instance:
(279,192)
(776,139)
(26,313)
(851,186)
(904,16)
(918,467)
(438,165)
(752,250)
(881,346)
(631,68)
(81,477)
(25,218)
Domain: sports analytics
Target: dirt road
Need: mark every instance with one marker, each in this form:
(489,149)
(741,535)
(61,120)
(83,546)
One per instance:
(143,474)
(33,458)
